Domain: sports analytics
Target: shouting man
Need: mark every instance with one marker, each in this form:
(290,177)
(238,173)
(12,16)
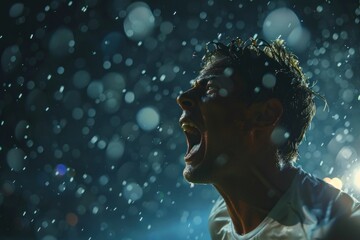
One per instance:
(244,118)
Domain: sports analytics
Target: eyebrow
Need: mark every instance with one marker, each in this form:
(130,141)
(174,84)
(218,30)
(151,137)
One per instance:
(202,79)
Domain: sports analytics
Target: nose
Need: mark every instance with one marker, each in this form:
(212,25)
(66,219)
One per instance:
(185,101)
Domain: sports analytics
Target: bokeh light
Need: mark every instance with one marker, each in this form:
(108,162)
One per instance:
(139,22)
(148,118)
(90,139)
(335,182)
(356,179)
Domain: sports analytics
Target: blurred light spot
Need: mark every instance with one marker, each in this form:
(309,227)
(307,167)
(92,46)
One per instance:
(20,129)
(81,79)
(223,92)
(101,144)
(298,39)
(107,65)
(279,136)
(280,22)
(132,191)
(103,180)
(81,209)
(321,113)
(114,81)
(10,58)
(129,62)
(79,192)
(228,72)
(59,42)
(348,95)
(113,84)
(319,8)
(60,70)
(117,58)
(197,220)
(335,182)
(148,118)
(77,113)
(72,219)
(95,209)
(8,188)
(111,43)
(94,89)
(15,159)
(130,130)
(139,22)
(34,199)
(16,10)
(115,150)
(129,97)
(346,155)
(60,170)
(166,27)
(356,180)
(49,237)
(269,80)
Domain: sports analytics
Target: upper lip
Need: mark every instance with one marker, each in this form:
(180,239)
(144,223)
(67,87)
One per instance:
(187,124)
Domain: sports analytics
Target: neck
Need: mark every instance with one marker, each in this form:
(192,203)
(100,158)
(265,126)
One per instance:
(249,199)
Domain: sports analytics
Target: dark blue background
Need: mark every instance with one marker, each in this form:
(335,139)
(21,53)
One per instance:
(76,159)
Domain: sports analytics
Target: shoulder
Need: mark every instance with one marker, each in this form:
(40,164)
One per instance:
(323,199)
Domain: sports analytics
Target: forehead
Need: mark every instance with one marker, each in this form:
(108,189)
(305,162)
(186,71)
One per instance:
(218,70)
(217,66)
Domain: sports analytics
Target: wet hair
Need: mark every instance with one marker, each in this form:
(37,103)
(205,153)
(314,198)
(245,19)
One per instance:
(269,70)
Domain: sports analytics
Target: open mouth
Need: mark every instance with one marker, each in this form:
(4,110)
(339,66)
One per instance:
(194,142)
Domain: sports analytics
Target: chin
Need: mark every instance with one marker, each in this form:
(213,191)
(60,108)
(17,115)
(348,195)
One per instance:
(197,174)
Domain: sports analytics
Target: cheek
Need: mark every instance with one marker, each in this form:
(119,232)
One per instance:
(216,115)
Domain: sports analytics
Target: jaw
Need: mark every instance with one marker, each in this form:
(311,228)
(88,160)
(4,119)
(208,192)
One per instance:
(199,165)
(219,159)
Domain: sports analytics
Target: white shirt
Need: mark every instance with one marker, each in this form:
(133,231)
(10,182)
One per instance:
(305,211)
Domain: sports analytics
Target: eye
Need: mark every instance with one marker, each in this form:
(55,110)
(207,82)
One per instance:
(211,88)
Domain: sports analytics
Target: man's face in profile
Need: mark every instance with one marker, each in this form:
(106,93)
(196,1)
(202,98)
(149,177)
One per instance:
(213,121)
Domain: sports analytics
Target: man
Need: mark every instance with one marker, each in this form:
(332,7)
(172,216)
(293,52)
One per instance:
(244,118)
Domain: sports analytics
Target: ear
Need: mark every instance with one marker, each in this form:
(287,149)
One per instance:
(267,113)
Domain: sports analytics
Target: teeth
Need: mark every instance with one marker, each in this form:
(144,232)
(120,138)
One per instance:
(188,127)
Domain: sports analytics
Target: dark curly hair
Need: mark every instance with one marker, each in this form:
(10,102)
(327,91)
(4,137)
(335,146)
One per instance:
(255,60)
